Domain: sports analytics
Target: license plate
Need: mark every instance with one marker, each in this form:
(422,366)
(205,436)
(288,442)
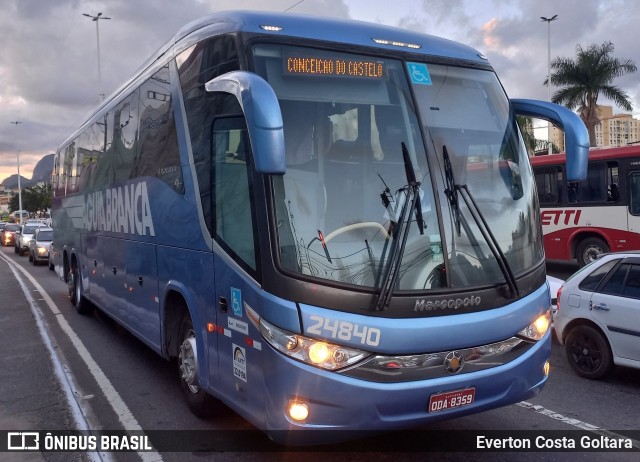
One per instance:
(451,399)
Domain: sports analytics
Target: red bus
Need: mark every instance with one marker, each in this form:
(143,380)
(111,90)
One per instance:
(601,214)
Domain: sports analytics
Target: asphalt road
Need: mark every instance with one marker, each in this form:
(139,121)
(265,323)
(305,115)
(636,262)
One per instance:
(117,381)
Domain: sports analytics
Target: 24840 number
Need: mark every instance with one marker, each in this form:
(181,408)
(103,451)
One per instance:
(344,330)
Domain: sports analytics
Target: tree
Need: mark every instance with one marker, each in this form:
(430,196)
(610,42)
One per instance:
(34,199)
(532,144)
(526,128)
(582,81)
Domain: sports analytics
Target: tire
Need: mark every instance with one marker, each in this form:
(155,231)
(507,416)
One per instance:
(198,400)
(589,249)
(75,293)
(588,352)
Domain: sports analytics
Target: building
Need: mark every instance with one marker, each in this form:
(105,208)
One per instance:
(616,130)
(612,131)
(5,197)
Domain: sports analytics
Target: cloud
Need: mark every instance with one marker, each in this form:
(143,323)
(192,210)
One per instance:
(48,64)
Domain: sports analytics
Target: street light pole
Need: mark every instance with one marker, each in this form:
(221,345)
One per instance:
(19,185)
(548,21)
(97,19)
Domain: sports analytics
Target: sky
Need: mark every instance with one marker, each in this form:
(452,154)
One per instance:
(49,65)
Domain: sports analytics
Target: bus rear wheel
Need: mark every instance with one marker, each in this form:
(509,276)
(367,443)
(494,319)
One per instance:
(198,400)
(589,249)
(75,292)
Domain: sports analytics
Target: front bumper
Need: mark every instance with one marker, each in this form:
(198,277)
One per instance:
(340,405)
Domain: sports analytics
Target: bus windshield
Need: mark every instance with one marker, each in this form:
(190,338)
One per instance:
(345,119)
(466,114)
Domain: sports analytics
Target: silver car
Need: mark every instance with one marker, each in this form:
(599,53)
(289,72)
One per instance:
(598,315)
(39,245)
(24,235)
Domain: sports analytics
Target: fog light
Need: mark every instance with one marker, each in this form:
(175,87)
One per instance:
(298,411)
(546,368)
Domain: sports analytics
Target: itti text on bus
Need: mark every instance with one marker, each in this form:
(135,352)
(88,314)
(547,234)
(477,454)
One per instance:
(553,217)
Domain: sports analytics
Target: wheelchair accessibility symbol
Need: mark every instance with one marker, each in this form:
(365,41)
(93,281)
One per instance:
(419,73)
(236,301)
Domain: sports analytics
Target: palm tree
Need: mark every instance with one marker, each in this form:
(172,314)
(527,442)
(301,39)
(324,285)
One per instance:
(583,80)
(526,128)
(532,144)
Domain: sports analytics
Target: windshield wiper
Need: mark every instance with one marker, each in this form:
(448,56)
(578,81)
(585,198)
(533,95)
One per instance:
(452,192)
(410,206)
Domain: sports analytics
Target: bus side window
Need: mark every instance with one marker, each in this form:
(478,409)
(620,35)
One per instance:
(232,212)
(572,191)
(547,185)
(96,143)
(595,187)
(634,187)
(158,155)
(612,182)
(123,133)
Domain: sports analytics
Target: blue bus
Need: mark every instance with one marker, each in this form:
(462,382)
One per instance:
(328,224)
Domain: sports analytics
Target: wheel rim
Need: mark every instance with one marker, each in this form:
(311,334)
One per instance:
(586,354)
(189,362)
(591,253)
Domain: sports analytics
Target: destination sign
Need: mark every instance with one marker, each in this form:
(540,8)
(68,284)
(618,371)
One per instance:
(323,66)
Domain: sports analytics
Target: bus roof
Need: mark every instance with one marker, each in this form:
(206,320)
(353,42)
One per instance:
(594,154)
(339,31)
(344,31)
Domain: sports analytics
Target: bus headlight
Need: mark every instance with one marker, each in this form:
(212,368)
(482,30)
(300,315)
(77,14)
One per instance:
(318,353)
(536,330)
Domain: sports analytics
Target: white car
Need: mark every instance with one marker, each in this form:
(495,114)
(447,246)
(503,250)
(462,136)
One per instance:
(22,238)
(598,317)
(39,245)
(554,286)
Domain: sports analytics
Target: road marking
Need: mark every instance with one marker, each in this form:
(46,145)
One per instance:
(575,422)
(118,405)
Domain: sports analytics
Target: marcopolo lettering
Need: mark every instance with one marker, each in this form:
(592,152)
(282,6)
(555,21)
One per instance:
(455,303)
(120,210)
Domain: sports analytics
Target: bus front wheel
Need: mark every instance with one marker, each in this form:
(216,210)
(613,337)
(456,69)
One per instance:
(199,401)
(589,249)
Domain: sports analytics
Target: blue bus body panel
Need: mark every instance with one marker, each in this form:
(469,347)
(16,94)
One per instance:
(438,333)
(337,402)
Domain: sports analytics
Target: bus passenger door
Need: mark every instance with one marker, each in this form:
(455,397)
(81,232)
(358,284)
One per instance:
(233,228)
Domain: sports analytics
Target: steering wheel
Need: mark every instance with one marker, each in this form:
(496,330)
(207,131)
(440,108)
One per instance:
(354,226)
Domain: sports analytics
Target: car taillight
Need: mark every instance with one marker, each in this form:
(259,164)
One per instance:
(558,299)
